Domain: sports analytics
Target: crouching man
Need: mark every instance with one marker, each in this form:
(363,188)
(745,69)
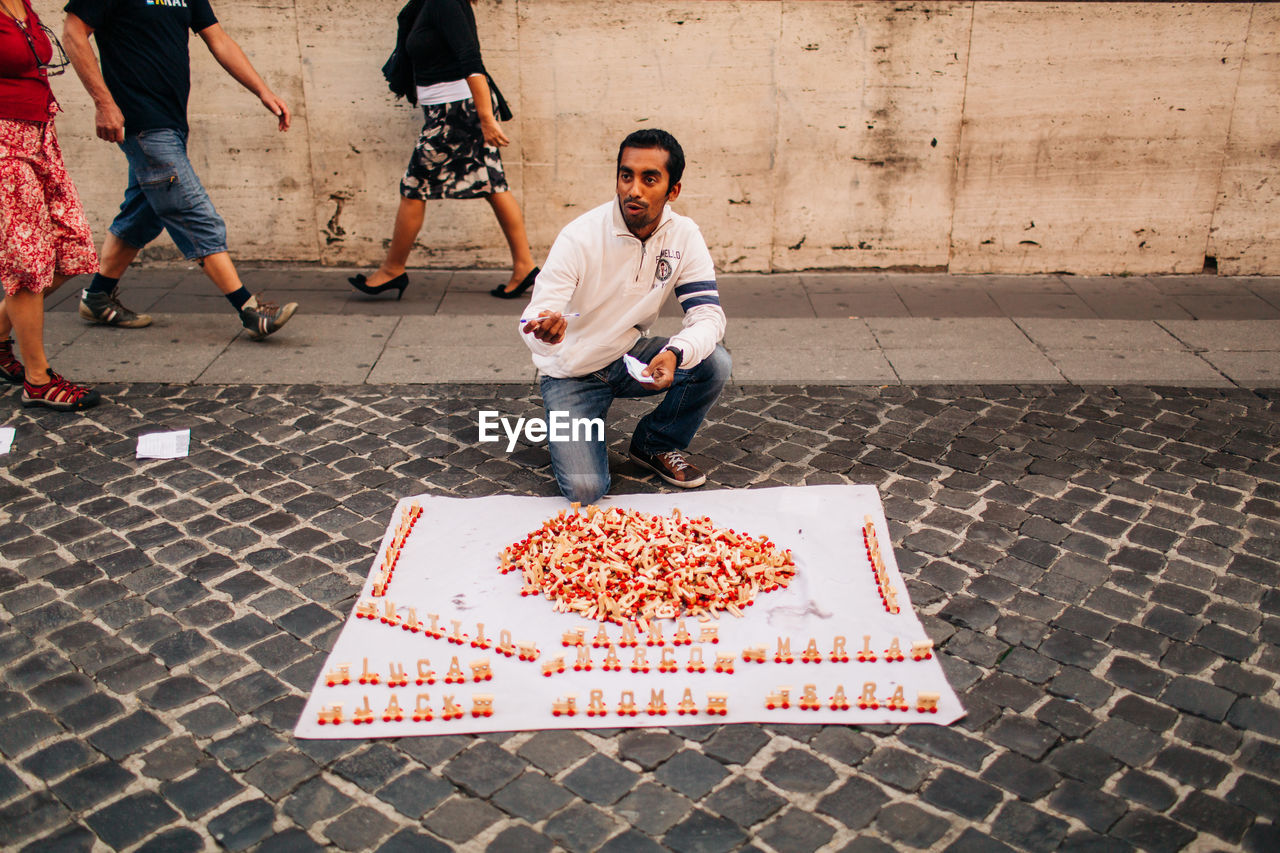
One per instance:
(599,291)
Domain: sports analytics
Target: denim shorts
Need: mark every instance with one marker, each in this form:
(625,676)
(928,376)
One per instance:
(165,194)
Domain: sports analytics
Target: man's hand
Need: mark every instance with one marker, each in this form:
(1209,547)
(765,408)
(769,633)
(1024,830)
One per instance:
(277,107)
(233,60)
(548,328)
(662,369)
(109,122)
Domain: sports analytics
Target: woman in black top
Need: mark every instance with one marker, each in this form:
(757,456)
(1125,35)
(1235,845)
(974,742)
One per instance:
(457,154)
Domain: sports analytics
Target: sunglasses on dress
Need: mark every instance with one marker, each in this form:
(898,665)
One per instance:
(58,62)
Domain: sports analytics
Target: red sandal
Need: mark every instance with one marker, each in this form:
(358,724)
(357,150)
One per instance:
(10,368)
(59,394)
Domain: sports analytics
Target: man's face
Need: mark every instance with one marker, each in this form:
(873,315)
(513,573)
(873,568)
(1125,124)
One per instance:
(644,189)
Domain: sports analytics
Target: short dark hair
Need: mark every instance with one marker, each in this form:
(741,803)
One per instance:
(654,138)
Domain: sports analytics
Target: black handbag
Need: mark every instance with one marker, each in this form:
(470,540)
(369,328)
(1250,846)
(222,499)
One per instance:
(399,73)
(398,69)
(504,111)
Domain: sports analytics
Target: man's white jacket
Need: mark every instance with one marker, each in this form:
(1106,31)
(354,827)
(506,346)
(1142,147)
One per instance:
(618,283)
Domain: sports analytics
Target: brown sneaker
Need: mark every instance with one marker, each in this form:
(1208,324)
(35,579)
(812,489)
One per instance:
(263,318)
(10,368)
(106,308)
(672,466)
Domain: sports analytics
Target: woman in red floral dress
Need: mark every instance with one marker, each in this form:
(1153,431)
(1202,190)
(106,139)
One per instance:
(44,238)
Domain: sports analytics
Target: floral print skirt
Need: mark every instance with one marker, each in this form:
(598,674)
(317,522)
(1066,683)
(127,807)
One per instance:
(43,231)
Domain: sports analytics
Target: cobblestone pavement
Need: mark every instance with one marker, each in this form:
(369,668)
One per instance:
(1098,567)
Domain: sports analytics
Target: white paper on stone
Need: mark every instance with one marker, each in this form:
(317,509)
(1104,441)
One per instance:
(448,566)
(164,445)
(6,439)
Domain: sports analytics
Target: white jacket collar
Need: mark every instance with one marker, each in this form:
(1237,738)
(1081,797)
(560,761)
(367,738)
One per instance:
(620,228)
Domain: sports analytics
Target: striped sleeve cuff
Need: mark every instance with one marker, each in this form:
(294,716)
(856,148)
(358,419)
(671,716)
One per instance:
(694,293)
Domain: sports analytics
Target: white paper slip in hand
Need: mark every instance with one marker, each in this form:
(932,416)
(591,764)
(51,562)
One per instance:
(164,445)
(6,439)
(636,367)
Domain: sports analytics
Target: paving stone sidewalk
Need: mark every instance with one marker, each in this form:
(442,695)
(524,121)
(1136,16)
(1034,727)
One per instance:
(1098,567)
(839,328)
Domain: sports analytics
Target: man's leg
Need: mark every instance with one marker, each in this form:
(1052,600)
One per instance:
(135,225)
(260,318)
(672,425)
(222,272)
(115,257)
(581,467)
(174,192)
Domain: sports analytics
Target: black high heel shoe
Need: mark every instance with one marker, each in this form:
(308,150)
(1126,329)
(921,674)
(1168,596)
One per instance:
(399,283)
(519,290)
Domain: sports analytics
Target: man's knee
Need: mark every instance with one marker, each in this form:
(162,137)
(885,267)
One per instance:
(131,236)
(718,366)
(584,489)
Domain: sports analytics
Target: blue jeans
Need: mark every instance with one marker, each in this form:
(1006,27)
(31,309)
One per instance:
(582,467)
(164,193)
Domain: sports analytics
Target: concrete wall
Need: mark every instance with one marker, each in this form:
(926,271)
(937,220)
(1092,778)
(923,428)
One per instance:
(1004,137)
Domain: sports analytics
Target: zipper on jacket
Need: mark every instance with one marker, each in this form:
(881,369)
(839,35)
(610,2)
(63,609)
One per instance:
(643,245)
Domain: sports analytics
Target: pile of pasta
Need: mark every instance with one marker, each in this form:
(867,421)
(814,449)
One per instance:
(620,565)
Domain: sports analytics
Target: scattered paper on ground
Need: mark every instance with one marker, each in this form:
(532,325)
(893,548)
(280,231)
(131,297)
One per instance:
(427,635)
(164,445)
(6,439)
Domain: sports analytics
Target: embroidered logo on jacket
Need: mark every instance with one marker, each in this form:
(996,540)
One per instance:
(666,266)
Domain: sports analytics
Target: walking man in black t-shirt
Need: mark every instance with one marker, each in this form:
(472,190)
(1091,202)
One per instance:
(140,95)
